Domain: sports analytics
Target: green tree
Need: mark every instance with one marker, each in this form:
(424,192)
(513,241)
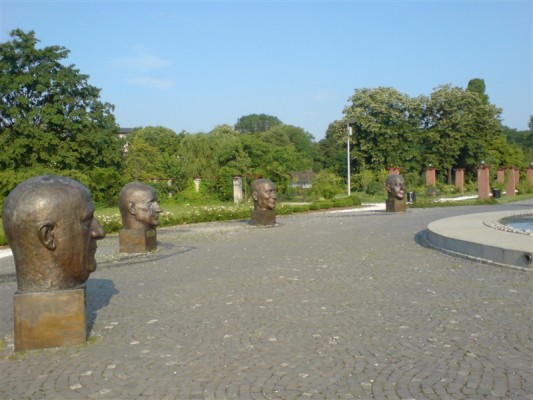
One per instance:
(143,162)
(326,184)
(477,86)
(331,151)
(166,143)
(459,129)
(522,139)
(50,116)
(256,123)
(386,129)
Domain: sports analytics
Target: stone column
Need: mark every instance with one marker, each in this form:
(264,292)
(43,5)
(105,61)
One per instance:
(237,189)
(460,179)
(510,186)
(483,182)
(394,170)
(431,179)
(516,175)
(529,174)
(197,182)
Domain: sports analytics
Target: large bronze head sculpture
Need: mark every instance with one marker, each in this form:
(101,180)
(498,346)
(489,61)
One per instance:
(49,224)
(264,193)
(395,185)
(138,206)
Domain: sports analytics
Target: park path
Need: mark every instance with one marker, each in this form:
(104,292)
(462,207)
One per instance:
(329,305)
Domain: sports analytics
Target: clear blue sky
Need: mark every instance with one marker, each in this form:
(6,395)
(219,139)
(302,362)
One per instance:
(193,65)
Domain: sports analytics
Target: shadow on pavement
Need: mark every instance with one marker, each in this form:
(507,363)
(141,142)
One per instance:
(99,293)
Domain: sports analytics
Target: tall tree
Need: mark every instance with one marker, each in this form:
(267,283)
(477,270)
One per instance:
(331,153)
(385,131)
(256,123)
(477,85)
(459,129)
(50,116)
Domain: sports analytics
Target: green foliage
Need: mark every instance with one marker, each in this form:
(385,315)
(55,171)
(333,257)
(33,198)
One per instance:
(477,86)
(363,179)
(326,184)
(256,123)
(343,202)
(524,187)
(331,151)
(50,116)
(385,131)
(428,203)
(191,196)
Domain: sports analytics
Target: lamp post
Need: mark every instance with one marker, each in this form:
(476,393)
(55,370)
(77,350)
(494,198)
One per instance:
(349,122)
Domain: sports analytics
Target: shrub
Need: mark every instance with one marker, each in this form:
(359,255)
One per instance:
(325,204)
(344,202)
(326,184)
(524,187)
(374,188)
(356,201)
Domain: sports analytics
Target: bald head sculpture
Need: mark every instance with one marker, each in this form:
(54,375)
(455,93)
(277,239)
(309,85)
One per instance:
(265,194)
(395,185)
(138,206)
(49,224)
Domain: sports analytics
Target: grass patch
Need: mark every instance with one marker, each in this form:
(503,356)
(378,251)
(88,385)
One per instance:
(92,339)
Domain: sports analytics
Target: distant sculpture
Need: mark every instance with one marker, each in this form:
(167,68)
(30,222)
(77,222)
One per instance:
(49,224)
(396,201)
(264,194)
(138,206)
(140,215)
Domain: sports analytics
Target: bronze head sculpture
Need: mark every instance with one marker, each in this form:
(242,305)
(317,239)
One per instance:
(264,193)
(49,223)
(395,185)
(138,206)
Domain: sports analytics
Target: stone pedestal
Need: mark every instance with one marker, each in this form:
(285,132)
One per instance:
(483,183)
(396,205)
(197,183)
(264,217)
(510,186)
(431,177)
(137,240)
(237,189)
(460,179)
(49,319)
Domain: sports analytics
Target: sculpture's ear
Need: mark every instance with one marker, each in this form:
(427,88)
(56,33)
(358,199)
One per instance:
(254,195)
(46,235)
(131,208)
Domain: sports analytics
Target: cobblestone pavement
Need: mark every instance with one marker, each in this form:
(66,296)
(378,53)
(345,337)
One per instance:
(330,305)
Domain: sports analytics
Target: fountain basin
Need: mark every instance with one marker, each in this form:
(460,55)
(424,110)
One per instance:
(474,236)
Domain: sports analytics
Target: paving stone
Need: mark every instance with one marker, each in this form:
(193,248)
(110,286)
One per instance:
(342,305)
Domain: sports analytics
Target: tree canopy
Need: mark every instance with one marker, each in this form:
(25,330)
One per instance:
(50,116)
(256,123)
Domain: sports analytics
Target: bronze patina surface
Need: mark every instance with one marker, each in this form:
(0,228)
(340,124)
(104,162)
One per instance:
(49,224)
(49,319)
(263,217)
(265,194)
(137,240)
(396,201)
(138,206)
